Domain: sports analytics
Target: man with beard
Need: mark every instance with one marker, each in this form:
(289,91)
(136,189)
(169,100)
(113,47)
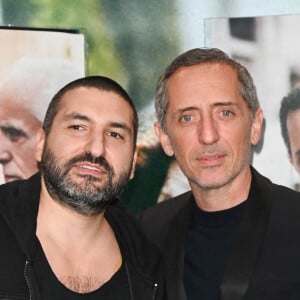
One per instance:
(64,233)
(235,234)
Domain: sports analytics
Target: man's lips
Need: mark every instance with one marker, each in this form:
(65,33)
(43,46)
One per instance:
(85,167)
(211,158)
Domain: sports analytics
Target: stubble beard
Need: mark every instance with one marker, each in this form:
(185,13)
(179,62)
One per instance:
(208,184)
(214,185)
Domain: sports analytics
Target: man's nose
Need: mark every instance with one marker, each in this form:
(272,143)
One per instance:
(5,149)
(208,130)
(95,145)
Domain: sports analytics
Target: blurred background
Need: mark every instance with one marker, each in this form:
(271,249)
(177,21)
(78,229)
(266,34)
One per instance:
(133,41)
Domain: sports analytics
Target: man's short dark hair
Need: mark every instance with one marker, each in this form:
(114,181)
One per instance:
(99,82)
(289,104)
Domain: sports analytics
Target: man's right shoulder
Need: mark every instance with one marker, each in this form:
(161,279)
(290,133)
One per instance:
(12,193)
(156,220)
(8,190)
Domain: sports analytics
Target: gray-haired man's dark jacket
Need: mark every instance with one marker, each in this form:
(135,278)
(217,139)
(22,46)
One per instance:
(265,260)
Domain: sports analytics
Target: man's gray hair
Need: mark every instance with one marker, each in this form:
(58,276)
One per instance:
(203,56)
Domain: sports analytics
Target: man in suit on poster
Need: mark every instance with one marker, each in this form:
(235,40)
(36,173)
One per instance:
(235,234)
(290,125)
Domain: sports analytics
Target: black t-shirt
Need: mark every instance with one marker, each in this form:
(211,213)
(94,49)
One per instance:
(52,289)
(207,247)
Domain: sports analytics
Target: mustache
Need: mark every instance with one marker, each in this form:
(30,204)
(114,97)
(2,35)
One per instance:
(211,149)
(100,160)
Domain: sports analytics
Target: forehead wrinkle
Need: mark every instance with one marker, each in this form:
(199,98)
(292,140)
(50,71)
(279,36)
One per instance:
(227,103)
(180,110)
(113,124)
(220,103)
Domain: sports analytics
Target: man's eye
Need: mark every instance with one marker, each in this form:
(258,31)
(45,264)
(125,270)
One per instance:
(226,113)
(186,118)
(76,127)
(115,135)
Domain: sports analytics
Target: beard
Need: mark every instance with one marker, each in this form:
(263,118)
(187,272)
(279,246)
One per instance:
(86,197)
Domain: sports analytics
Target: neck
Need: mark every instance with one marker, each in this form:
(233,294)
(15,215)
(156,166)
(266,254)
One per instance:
(224,197)
(65,225)
(77,246)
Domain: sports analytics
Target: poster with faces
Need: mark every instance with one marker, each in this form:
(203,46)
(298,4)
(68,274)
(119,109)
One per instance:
(35,63)
(269,47)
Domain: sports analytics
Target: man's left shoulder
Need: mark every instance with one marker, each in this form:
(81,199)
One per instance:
(286,196)
(285,210)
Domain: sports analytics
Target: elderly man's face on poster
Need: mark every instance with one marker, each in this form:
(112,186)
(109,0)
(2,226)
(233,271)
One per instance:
(18,127)
(293,127)
(30,75)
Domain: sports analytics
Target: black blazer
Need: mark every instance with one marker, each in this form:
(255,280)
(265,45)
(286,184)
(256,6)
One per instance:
(265,260)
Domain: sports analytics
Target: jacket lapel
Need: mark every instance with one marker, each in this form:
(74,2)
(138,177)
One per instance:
(174,250)
(246,248)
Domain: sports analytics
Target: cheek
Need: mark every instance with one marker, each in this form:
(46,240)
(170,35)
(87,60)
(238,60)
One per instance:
(24,157)
(240,136)
(119,157)
(295,159)
(297,166)
(295,146)
(241,147)
(182,137)
(26,149)
(184,146)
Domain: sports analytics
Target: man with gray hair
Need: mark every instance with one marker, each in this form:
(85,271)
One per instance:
(24,96)
(235,234)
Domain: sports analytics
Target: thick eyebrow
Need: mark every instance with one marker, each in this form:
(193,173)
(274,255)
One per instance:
(120,125)
(12,131)
(113,124)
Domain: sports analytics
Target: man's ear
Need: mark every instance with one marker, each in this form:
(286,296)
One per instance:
(164,139)
(39,144)
(256,127)
(133,164)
